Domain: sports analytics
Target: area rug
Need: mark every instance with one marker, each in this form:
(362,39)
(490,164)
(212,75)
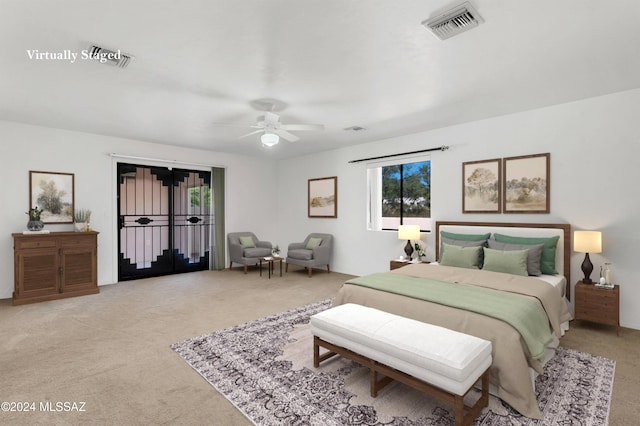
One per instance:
(265,368)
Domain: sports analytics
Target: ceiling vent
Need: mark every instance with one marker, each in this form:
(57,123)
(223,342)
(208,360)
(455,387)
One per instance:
(454,21)
(115,58)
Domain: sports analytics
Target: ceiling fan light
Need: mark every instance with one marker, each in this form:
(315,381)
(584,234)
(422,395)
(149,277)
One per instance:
(269,139)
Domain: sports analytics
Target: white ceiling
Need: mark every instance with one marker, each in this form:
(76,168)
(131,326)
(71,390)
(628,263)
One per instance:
(340,63)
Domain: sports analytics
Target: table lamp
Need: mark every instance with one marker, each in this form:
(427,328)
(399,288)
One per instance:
(408,232)
(587,242)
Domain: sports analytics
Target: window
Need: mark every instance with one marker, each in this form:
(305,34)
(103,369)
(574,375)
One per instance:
(400,194)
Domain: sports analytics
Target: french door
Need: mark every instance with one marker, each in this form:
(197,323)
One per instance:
(165,221)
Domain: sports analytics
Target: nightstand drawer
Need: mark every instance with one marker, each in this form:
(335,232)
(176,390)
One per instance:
(597,315)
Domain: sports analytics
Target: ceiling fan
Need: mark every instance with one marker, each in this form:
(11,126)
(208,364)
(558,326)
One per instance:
(273,129)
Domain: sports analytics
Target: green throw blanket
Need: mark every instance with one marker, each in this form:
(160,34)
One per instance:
(523,313)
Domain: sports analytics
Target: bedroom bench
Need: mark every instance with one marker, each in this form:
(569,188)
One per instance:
(442,362)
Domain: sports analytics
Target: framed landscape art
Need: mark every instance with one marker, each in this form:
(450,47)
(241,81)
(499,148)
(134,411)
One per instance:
(323,197)
(526,184)
(53,193)
(481,182)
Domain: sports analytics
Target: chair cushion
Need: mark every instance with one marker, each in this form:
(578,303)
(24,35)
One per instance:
(313,243)
(302,254)
(257,252)
(247,242)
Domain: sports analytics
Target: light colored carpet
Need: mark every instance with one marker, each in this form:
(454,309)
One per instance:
(111,350)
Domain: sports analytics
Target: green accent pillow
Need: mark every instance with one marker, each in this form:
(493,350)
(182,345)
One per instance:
(313,243)
(461,257)
(533,259)
(548,258)
(465,237)
(247,242)
(461,243)
(508,261)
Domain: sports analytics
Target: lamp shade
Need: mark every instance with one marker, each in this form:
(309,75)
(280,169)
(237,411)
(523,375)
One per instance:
(409,232)
(269,139)
(587,241)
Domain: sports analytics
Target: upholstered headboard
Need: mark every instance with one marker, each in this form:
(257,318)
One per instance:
(563,251)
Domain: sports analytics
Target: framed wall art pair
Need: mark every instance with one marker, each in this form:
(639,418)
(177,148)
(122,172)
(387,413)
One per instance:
(507,185)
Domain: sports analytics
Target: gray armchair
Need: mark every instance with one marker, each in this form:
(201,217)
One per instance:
(245,254)
(304,254)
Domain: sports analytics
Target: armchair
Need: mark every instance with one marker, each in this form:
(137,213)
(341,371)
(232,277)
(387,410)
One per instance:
(313,252)
(246,249)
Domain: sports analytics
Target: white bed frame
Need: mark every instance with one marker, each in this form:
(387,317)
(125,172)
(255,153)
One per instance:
(563,251)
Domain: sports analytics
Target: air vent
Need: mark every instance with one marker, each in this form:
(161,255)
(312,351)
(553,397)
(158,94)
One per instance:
(115,58)
(454,21)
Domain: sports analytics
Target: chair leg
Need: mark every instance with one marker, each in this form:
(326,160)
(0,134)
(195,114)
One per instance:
(328,270)
(245,269)
(230,265)
(286,267)
(309,270)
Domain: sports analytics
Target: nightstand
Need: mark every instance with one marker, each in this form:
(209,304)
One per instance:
(395,264)
(599,305)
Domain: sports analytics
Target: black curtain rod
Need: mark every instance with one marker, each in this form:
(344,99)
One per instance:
(442,148)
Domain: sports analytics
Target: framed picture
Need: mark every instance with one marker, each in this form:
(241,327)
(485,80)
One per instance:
(323,197)
(526,184)
(481,192)
(53,193)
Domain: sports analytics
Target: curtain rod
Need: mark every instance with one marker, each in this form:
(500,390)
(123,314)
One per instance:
(442,148)
(160,160)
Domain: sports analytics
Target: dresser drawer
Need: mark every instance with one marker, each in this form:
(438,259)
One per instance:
(34,244)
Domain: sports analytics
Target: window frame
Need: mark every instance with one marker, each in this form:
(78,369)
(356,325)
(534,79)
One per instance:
(374,191)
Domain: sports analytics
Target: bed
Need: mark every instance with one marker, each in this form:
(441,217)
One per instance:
(449,296)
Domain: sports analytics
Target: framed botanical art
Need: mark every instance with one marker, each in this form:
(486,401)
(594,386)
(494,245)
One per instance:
(526,183)
(481,182)
(52,193)
(323,197)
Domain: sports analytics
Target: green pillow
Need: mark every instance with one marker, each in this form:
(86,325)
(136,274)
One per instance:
(465,237)
(548,258)
(508,261)
(533,259)
(313,243)
(247,242)
(461,257)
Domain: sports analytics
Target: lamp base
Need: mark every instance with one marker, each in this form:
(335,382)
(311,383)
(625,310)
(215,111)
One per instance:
(408,249)
(587,269)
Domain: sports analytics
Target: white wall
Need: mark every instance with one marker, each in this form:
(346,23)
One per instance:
(594,146)
(25,148)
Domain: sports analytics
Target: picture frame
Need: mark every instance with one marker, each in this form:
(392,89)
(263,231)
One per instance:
(526,184)
(323,197)
(53,193)
(481,186)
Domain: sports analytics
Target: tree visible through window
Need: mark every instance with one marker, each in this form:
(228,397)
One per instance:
(406,195)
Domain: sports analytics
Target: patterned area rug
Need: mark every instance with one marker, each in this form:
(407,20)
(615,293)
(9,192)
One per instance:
(265,368)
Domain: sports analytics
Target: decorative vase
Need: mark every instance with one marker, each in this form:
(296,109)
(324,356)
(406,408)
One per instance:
(80,226)
(35,225)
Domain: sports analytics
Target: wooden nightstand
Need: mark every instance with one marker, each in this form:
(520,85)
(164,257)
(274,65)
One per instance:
(395,264)
(599,305)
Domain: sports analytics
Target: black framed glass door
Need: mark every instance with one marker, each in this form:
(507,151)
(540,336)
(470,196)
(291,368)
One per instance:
(164,221)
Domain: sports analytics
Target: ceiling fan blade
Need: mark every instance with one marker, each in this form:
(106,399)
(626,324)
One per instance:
(251,133)
(244,126)
(286,135)
(317,127)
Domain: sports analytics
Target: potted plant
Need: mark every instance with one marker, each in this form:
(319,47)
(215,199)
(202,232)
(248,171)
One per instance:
(34,224)
(276,251)
(81,218)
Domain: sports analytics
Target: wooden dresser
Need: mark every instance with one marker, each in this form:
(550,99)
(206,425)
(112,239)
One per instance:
(55,265)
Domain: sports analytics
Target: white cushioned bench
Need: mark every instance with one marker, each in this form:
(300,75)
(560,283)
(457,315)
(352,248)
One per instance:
(433,359)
